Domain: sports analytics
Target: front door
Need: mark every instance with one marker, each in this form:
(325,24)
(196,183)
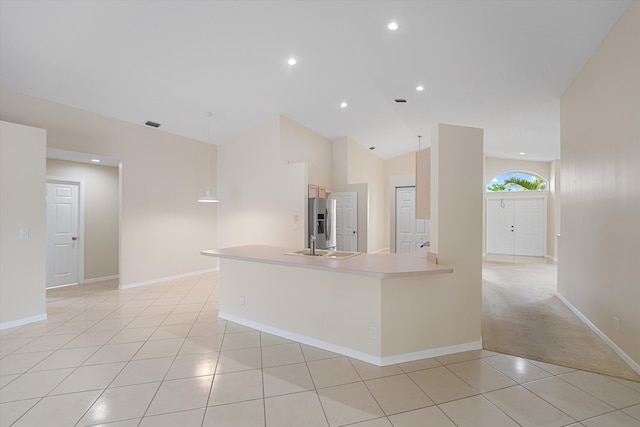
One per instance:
(346,221)
(516,226)
(63,219)
(411,233)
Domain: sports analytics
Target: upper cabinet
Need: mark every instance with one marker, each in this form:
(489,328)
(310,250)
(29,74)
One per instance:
(423,184)
(316,191)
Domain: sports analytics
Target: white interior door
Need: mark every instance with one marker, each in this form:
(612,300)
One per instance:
(346,221)
(500,226)
(516,226)
(411,233)
(530,225)
(63,225)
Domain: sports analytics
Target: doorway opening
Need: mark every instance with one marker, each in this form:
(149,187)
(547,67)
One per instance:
(83,218)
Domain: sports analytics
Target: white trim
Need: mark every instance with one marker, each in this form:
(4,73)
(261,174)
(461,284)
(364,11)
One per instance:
(23,321)
(381,251)
(624,356)
(166,279)
(365,357)
(102,279)
(81,212)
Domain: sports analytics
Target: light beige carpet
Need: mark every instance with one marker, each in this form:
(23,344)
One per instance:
(523,317)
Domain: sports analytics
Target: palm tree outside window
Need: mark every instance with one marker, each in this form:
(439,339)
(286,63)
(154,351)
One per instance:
(517,181)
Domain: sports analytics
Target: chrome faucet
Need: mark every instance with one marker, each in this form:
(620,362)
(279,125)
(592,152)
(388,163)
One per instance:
(312,239)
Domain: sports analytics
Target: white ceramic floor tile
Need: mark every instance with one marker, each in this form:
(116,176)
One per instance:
(110,353)
(431,417)
(481,376)
(349,403)
(634,385)
(397,394)
(569,399)
(195,345)
(143,371)
(46,343)
(33,384)
(604,388)
(87,339)
(293,410)
(456,358)
(192,418)
(236,387)
(612,419)
(378,422)
(281,354)
(120,403)
(193,365)
(6,379)
(8,345)
(11,411)
(269,339)
(441,385)
(147,321)
(418,365)
(633,411)
(59,411)
(527,409)
(286,379)
(476,411)
(20,363)
(367,371)
(239,360)
(181,395)
(245,414)
(552,369)
(93,377)
(66,358)
(132,335)
(314,353)
(331,372)
(516,368)
(167,332)
(161,348)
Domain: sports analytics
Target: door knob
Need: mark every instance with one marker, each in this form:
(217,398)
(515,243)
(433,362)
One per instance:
(354,231)
(74,238)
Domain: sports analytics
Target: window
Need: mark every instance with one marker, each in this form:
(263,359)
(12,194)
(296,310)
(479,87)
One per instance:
(517,181)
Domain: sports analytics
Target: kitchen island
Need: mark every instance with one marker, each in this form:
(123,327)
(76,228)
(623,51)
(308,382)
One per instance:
(379,308)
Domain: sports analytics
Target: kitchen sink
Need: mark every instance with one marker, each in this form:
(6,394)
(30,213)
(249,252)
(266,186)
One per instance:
(324,253)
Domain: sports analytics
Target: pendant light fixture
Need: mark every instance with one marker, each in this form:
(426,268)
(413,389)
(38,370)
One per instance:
(208,198)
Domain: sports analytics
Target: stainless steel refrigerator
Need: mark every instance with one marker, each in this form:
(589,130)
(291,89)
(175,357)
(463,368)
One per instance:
(322,223)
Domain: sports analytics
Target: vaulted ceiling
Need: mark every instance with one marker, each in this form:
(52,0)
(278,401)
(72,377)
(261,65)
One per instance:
(499,65)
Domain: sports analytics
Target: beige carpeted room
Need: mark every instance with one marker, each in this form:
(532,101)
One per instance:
(522,316)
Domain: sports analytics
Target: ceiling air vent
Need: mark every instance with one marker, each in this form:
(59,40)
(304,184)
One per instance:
(152,124)
(400,100)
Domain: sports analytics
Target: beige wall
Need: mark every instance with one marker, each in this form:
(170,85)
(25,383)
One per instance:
(356,168)
(547,170)
(599,268)
(162,226)
(400,172)
(301,145)
(263,176)
(102,210)
(22,205)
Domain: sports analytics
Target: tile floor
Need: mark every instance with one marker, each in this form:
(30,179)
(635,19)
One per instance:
(159,356)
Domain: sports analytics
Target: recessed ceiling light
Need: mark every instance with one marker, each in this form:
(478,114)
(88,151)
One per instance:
(96,160)
(419,88)
(393,25)
(343,105)
(522,153)
(292,61)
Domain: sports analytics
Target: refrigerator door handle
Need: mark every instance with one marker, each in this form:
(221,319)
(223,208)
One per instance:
(328,217)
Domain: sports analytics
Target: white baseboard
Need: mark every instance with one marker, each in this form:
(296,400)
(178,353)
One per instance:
(101,279)
(167,278)
(23,321)
(365,357)
(432,352)
(382,251)
(624,356)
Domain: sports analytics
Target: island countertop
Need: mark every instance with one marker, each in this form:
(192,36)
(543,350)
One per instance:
(378,265)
